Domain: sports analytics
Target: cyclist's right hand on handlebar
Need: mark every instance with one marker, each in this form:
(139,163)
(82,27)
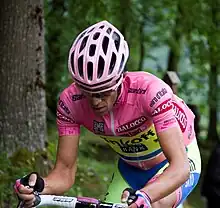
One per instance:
(26,186)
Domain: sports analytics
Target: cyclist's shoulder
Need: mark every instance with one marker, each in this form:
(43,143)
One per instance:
(141,78)
(139,75)
(144,83)
(71,93)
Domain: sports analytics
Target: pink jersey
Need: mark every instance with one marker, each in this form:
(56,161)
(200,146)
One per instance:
(145,107)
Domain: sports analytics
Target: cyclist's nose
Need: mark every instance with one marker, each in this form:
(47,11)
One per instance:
(95,101)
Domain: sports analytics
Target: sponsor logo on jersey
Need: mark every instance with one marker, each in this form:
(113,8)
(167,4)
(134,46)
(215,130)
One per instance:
(178,111)
(77,97)
(135,144)
(163,107)
(159,95)
(98,127)
(131,125)
(180,116)
(133,133)
(168,122)
(65,118)
(137,91)
(63,106)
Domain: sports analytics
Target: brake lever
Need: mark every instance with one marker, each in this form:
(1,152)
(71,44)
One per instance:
(36,202)
(37,199)
(20,204)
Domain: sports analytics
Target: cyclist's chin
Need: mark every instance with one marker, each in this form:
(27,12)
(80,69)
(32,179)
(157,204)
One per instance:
(102,111)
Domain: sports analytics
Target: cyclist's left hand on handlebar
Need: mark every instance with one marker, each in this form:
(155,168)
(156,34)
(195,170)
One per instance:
(136,199)
(26,186)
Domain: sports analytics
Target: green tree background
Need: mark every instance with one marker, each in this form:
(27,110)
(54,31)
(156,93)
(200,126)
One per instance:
(179,35)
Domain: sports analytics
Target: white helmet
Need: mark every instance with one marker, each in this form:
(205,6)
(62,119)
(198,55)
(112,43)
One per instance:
(97,58)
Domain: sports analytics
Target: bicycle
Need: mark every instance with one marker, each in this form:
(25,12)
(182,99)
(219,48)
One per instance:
(72,202)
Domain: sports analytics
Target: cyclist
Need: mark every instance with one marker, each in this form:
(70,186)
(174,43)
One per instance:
(136,113)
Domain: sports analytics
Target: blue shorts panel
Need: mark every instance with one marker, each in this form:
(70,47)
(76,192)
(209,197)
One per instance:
(188,186)
(136,177)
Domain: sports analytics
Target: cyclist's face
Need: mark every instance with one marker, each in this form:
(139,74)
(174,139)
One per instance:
(102,102)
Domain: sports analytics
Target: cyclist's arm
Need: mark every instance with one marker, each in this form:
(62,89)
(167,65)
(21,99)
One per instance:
(177,173)
(62,177)
(159,106)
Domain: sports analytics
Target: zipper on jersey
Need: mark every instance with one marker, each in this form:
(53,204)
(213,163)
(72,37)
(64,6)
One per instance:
(112,123)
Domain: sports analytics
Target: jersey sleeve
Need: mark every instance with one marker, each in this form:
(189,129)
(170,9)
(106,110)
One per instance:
(159,106)
(66,123)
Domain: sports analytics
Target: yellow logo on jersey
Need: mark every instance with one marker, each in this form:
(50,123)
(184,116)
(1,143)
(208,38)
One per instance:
(141,144)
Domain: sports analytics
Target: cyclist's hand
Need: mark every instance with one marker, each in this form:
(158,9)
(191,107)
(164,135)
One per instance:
(136,199)
(26,186)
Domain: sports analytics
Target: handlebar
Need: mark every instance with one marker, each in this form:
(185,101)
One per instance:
(74,202)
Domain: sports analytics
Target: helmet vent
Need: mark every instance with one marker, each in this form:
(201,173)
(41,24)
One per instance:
(105,44)
(101,66)
(72,62)
(122,63)
(101,27)
(109,30)
(80,37)
(80,66)
(116,39)
(112,63)
(90,70)
(91,30)
(83,44)
(96,36)
(92,50)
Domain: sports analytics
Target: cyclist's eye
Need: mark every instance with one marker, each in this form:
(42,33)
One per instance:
(106,95)
(98,95)
(86,94)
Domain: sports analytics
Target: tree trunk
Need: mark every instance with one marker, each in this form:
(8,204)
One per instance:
(173,61)
(124,16)
(213,76)
(142,49)
(174,53)
(22,72)
(54,55)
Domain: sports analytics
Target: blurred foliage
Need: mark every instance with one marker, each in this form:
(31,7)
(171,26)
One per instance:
(20,163)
